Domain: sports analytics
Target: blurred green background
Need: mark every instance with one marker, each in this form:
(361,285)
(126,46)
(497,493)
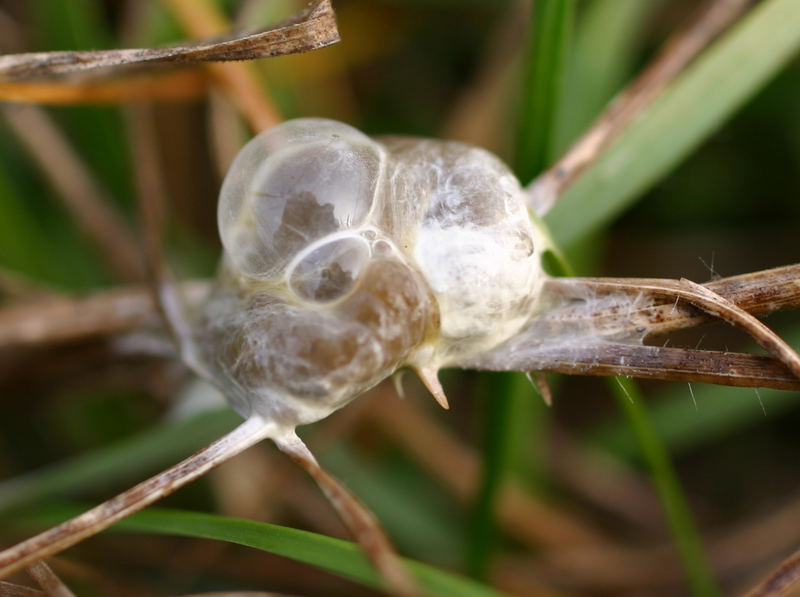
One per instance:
(439,68)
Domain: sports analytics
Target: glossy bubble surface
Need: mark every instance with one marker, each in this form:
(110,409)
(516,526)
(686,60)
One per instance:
(330,271)
(292,186)
(348,257)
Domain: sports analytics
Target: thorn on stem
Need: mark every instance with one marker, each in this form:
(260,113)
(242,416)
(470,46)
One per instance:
(397,381)
(430,377)
(539,382)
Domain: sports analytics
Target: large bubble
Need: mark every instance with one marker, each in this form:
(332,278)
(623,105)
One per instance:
(293,185)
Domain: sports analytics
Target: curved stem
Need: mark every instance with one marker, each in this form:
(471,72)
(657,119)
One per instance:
(70,532)
(679,51)
(50,583)
(716,305)
(781,581)
(356,516)
(758,293)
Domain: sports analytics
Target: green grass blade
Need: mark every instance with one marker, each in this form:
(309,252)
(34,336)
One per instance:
(97,132)
(601,59)
(699,101)
(514,427)
(650,447)
(32,231)
(19,233)
(543,86)
(721,411)
(679,517)
(334,555)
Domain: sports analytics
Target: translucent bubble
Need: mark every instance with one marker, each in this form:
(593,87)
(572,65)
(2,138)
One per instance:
(382,248)
(329,272)
(293,185)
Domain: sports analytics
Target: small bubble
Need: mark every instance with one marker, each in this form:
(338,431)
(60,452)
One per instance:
(381,248)
(329,271)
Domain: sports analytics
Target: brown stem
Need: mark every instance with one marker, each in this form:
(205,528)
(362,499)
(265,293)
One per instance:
(50,583)
(125,309)
(593,326)
(86,202)
(152,200)
(240,82)
(758,293)
(356,516)
(68,533)
(781,581)
(101,315)
(179,86)
(624,109)
(654,362)
(8,589)
(716,305)
(313,28)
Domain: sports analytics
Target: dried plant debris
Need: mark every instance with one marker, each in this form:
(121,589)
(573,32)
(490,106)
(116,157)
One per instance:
(173,86)
(313,28)
(781,581)
(48,580)
(57,319)
(8,589)
(681,49)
